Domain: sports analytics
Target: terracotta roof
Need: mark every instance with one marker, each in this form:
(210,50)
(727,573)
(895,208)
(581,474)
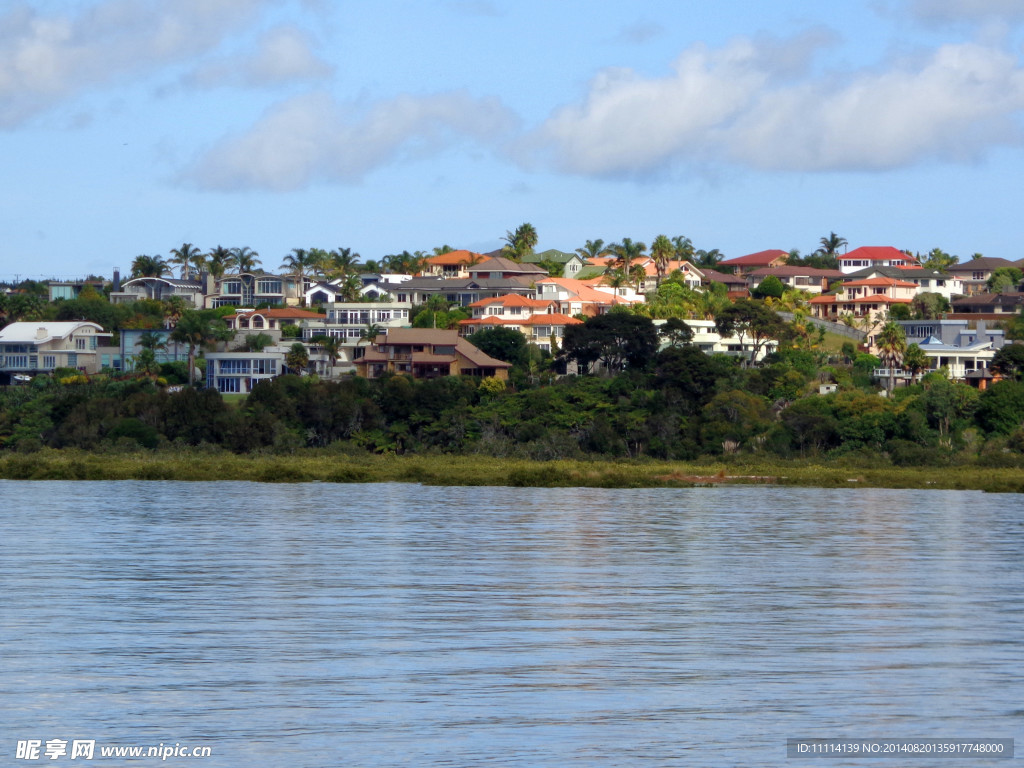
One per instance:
(453,258)
(554,318)
(876,253)
(585,292)
(763,258)
(512,300)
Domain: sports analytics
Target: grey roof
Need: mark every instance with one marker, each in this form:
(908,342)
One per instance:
(984,263)
(24,332)
(896,273)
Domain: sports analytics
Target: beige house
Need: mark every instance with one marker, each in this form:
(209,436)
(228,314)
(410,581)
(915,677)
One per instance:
(426,353)
(28,349)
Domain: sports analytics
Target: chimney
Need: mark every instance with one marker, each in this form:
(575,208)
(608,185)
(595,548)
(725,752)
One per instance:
(115,285)
(41,333)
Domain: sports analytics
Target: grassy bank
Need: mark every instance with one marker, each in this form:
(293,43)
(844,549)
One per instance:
(313,465)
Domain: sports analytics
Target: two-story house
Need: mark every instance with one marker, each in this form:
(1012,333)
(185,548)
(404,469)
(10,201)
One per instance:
(31,348)
(425,353)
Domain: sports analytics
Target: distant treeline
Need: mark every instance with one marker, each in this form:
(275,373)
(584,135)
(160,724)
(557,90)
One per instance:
(683,406)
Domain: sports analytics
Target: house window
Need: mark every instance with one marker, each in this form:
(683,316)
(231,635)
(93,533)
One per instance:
(72,359)
(231,286)
(268,286)
(17,361)
(229,385)
(79,343)
(49,361)
(233,366)
(265,367)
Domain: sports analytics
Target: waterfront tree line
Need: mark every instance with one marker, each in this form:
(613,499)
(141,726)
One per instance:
(677,403)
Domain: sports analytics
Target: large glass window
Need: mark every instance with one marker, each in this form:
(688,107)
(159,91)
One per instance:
(268,286)
(266,367)
(234,366)
(229,384)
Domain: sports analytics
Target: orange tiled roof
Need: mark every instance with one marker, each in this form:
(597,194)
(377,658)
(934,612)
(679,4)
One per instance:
(453,258)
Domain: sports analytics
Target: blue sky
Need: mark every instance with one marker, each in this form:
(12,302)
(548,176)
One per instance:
(132,126)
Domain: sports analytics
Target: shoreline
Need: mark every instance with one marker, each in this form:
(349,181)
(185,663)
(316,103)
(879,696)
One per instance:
(324,465)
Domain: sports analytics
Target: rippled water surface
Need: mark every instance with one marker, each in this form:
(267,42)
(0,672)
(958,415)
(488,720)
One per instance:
(398,625)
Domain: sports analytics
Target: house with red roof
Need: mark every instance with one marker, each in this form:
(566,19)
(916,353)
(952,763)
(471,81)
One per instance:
(750,262)
(875,256)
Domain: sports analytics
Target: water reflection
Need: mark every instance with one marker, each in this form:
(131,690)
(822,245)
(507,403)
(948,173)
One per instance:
(397,625)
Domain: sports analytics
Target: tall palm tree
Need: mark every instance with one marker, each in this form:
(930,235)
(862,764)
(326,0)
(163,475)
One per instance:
(521,242)
(830,245)
(149,266)
(915,360)
(344,262)
(218,260)
(593,249)
(319,262)
(369,333)
(892,345)
(245,259)
(196,329)
(298,263)
(184,257)
(662,251)
(683,248)
(331,345)
(708,259)
(626,251)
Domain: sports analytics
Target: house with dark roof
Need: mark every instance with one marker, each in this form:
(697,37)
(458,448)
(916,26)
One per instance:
(997,305)
(425,353)
(802,278)
(976,272)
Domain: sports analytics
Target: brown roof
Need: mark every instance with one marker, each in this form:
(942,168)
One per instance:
(764,258)
(790,271)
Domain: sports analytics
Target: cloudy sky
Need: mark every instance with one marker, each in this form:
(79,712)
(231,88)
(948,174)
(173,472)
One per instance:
(132,126)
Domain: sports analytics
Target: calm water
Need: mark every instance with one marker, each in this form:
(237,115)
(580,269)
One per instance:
(397,625)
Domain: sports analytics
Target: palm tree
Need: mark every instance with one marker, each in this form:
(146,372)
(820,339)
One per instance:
(708,259)
(830,245)
(369,333)
(218,260)
(892,345)
(593,249)
(344,262)
(350,287)
(297,357)
(319,262)
(521,242)
(662,251)
(244,259)
(174,308)
(638,274)
(441,250)
(184,257)
(331,345)
(915,360)
(616,278)
(196,329)
(626,251)
(683,248)
(298,263)
(149,266)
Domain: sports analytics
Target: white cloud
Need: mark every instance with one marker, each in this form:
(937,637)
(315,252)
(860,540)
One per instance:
(745,104)
(960,102)
(45,59)
(314,138)
(284,55)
